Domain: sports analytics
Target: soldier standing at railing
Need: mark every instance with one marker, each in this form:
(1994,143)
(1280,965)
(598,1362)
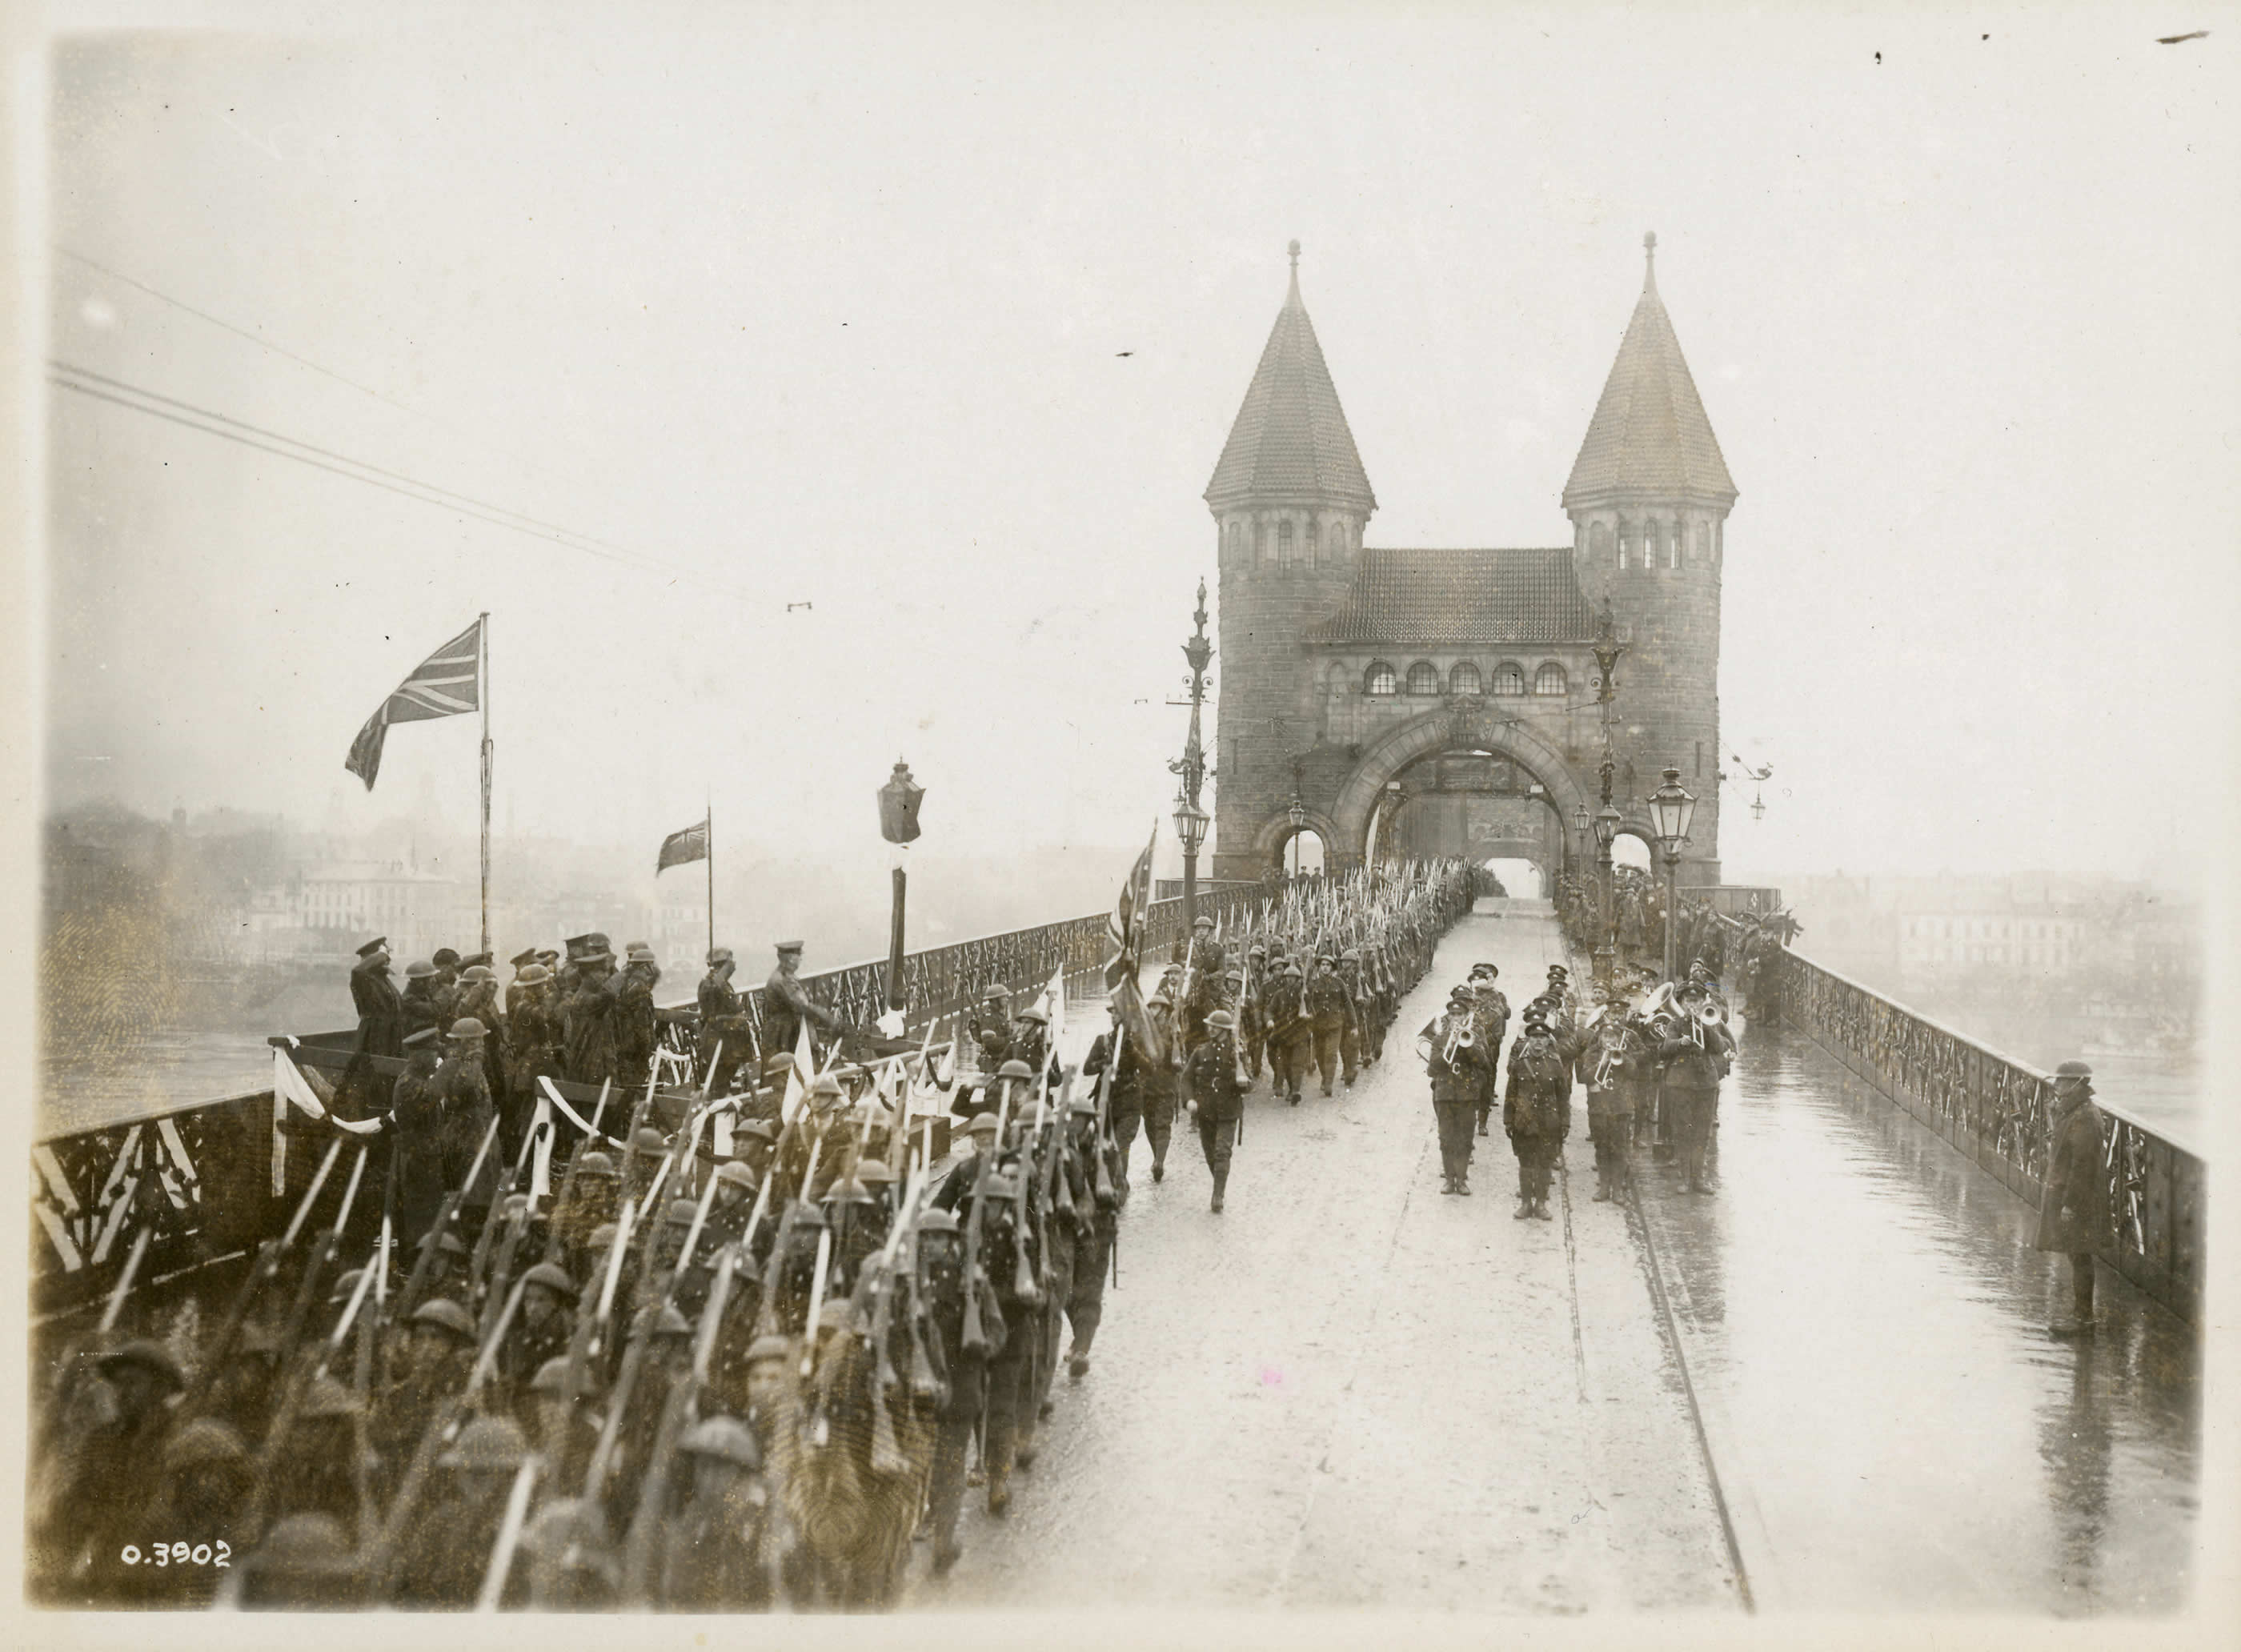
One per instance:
(2074,1214)
(786,1004)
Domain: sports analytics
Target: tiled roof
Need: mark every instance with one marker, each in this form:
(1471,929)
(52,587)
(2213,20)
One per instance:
(1423,600)
(1650,434)
(1291,439)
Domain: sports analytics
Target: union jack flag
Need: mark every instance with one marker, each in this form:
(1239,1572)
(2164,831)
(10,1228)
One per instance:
(446,684)
(1121,927)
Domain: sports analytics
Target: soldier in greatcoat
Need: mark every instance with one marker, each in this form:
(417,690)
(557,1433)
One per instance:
(2074,1215)
(416,1117)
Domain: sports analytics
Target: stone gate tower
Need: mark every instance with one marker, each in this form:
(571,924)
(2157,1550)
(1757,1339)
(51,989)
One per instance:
(1356,682)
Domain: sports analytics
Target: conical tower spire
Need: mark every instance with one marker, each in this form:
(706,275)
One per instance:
(1290,443)
(1649,438)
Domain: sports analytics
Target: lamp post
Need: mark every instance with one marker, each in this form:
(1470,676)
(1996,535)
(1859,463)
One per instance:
(1190,819)
(1671,810)
(1580,830)
(899,801)
(1298,816)
(1608,648)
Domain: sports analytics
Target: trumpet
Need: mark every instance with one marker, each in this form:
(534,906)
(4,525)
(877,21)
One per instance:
(1459,1038)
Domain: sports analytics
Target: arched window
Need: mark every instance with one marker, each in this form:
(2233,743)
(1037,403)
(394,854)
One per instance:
(1314,539)
(1509,680)
(1673,546)
(1380,680)
(1705,542)
(1549,680)
(1261,542)
(1423,677)
(1463,679)
(1651,534)
(1233,539)
(1284,543)
(1599,542)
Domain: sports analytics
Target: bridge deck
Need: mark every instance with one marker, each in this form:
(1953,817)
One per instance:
(1350,1391)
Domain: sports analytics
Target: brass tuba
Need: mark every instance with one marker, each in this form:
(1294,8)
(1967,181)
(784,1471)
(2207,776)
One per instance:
(1460,1038)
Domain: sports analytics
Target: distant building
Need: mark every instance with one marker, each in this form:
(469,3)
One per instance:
(351,901)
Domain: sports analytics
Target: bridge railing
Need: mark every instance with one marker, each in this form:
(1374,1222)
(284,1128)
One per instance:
(200,1174)
(1999,1111)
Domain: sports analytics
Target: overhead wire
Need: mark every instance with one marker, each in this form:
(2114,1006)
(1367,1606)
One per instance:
(104,387)
(301,360)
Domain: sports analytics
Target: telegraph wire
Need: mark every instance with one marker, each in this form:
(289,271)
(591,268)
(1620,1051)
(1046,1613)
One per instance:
(67,376)
(301,360)
(588,543)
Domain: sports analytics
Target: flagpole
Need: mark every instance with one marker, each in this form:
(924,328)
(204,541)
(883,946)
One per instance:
(709,827)
(483,622)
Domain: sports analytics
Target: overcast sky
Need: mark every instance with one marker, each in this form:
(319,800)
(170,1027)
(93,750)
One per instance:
(937,323)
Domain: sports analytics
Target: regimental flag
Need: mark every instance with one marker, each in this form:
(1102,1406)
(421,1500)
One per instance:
(1128,912)
(446,684)
(677,847)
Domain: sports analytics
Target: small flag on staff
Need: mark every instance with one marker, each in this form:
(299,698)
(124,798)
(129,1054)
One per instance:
(1135,895)
(446,684)
(678,847)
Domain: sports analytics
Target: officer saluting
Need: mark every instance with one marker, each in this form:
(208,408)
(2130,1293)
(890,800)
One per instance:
(1217,1099)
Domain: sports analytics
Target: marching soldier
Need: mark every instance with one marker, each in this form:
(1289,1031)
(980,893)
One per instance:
(1537,1113)
(1252,1006)
(1613,1047)
(1217,1103)
(1291,1036)
(1695,1060)
(1454,1060)
(1331,1015)
(1490,1015)
(1084,1306)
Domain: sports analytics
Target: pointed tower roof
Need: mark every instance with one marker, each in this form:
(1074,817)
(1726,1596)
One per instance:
(1291,440)
(1649,435)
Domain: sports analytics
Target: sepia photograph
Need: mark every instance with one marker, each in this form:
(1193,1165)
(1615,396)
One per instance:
(956,821)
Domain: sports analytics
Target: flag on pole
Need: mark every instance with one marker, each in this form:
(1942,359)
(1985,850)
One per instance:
(678,847)
(1121,927)
(446,684)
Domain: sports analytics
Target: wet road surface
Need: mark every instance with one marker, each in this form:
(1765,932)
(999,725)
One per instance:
(1350,1391)
(1864,1320)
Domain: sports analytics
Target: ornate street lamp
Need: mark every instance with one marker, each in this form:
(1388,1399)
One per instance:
(1298,816)
(1671,809)
(1190,819)
(1190,827)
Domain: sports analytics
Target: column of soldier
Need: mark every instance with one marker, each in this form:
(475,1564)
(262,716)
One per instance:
(1650,1055)
(1315,983)
(682,1378)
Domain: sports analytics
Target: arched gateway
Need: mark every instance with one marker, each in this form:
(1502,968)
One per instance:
(1413,701)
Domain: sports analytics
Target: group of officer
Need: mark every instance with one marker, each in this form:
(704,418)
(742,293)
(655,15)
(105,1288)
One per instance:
(681,1378)
(1651,1057)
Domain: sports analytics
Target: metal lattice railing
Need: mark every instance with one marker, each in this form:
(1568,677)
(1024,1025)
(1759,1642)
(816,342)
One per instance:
(2000,1112)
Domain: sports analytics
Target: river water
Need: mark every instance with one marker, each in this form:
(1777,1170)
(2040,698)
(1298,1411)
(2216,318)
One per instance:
(1865,1323)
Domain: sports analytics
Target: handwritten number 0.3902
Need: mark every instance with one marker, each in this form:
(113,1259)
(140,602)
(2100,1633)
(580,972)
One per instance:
(181,1555)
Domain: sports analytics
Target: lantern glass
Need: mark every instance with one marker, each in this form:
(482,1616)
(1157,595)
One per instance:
(1671,808)
(1606,825)
(1190,826)
(1298,815)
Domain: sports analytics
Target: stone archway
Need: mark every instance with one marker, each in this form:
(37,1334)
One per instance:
(1269,843)
(1460,727)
